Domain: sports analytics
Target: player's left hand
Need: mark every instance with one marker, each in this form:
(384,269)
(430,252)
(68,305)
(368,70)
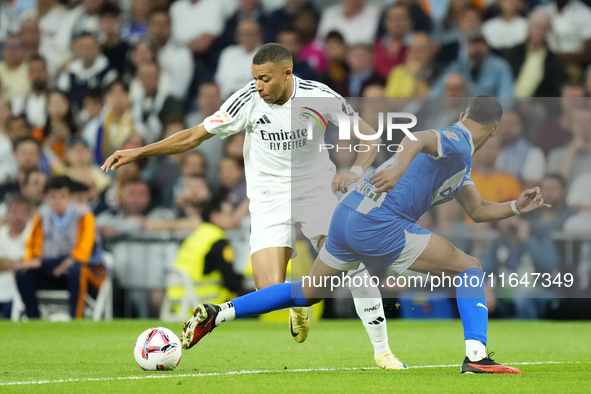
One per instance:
(530,199)
(386,179)
(342,181)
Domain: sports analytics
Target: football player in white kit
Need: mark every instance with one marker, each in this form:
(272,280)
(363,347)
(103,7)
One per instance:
(279,159)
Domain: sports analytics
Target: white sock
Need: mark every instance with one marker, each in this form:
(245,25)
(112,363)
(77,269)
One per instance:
(226,313)
(475,350)
(370,309)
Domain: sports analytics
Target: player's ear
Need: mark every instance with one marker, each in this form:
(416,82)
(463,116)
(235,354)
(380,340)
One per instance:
(462,116)
(494,131)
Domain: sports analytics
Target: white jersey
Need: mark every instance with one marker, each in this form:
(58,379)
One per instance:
(277,151)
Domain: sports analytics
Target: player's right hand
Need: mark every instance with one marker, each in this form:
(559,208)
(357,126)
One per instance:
(386,179)
(119,158)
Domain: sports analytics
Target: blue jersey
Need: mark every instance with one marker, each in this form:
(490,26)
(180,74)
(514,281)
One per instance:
(428,181)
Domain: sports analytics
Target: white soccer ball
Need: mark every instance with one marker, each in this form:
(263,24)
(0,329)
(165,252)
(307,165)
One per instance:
(158,349)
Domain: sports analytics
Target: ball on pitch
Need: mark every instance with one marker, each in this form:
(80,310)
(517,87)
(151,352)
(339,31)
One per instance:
(158,349)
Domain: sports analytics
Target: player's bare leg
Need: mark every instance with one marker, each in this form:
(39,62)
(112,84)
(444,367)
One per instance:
(268,267)
(439,257)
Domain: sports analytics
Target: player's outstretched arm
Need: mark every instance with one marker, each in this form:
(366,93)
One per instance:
(177,143)
(480,210)
(386,179)
(342,181)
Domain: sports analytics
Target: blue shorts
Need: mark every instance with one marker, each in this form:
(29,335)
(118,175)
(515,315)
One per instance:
(354,237)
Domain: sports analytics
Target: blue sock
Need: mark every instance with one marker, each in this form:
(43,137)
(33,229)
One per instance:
(270,299)
(472,305)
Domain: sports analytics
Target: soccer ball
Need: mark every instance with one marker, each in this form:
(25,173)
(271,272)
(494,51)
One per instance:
(158,349)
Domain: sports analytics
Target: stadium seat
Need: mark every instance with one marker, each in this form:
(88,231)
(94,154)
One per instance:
(53,304)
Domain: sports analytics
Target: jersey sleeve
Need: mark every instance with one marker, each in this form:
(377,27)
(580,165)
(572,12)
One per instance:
(232,117)
(451,146)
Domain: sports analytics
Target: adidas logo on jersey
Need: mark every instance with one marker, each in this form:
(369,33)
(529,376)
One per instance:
(263,120)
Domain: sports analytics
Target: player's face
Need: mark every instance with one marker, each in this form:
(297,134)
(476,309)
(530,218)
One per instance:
(271,81)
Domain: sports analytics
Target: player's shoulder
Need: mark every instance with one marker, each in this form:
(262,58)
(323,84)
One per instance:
(240,100)
(314,88)
(456,136)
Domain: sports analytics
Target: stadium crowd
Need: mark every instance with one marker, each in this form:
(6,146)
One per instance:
(81,79)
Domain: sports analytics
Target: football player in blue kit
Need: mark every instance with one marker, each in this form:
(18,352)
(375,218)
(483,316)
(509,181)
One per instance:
(376,222)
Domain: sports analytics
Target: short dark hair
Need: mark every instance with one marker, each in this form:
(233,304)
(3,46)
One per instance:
(559,178)
(30,173)
(289,29)
(77,187)
(120,82)
(273,53)
(86,33)
(212,206)
(484,109)
(38,58)
(109,9)
(335,35)
(25,139)
(58,182)
(94,94)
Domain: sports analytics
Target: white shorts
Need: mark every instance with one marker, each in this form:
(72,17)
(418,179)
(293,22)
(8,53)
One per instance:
(274,218)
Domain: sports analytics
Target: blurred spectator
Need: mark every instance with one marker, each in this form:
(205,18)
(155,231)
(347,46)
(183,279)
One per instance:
(155,108)
(116,126)
(390,50)
(509,29)
(81,19)
(192,164)
(8,164)
(361,73)
(14,71)
(312,49)
(251,10)
(60,251)
(579,196)
(49,15)
(290,38)
(554,131)
(587,81)
(493,185)
(33,103)
(93,108)
(136,26)
(89,70)
(80,164)
(208,102)
(287,16)
(538,72)
(517,156)
(164,171)
(30,36)
(420,20)
(451,34)
(337,68)
(196,23)
(574,159)
(84,192)
(435,113)
(113,194)
(173,59)
(545,221)
(232,180)
(207,257)
(143,52)
(354,19)
(58,126)
(113,47)
(134,211)
(485,72)
(12,248)
(30,188)
(517,251)
(188,206)
(449,223)
(402,81)
(234,68)
(8,21)
(234,146)
(571,31)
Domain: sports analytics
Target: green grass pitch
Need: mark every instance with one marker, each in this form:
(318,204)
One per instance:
(555,357)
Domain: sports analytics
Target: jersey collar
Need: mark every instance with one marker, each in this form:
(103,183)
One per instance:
(295,86)
(467,130)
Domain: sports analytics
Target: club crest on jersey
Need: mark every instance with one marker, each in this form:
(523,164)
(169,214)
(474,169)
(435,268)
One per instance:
(307,113)
(451,135)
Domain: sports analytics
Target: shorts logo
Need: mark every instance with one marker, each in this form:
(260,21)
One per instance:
(451,135)
(308,113)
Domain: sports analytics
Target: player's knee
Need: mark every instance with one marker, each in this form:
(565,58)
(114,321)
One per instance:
(267,281)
